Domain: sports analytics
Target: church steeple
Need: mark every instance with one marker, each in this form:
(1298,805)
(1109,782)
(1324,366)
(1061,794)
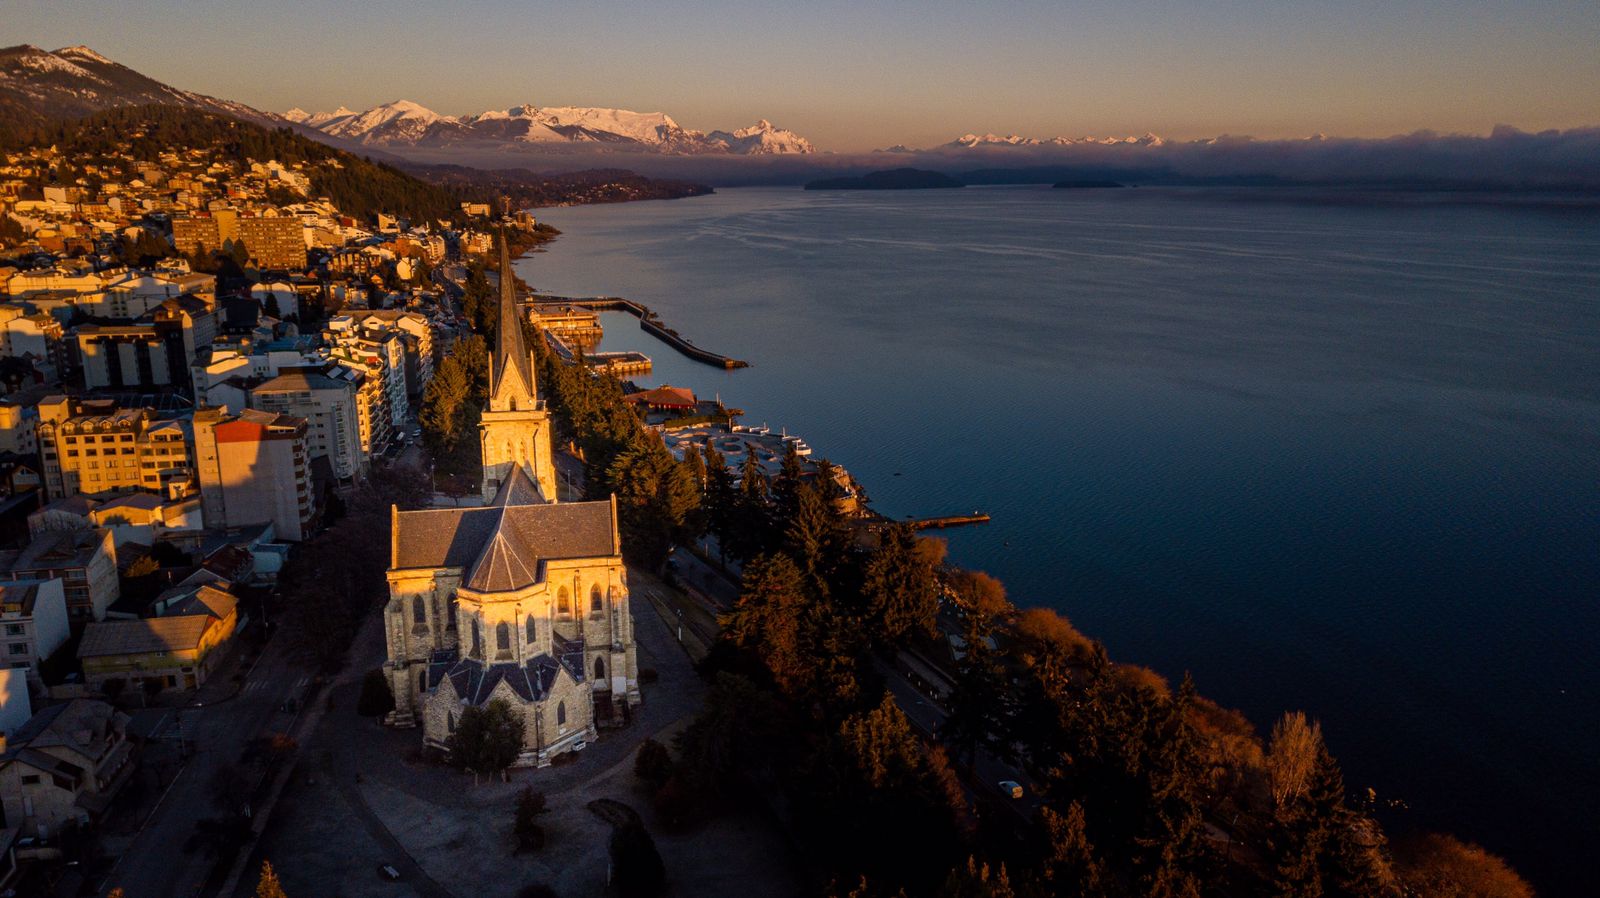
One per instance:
(513,386)
(515,428)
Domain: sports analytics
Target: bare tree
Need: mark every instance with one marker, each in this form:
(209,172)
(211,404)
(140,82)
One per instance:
(1292,757)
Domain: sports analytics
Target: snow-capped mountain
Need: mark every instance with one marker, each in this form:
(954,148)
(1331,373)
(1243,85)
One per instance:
(38,85)
(407,124)
(980,141)
(763,138)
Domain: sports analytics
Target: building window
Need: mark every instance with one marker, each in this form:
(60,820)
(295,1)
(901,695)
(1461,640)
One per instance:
(563,601)
(502,638)
(450,721)
(16,629)
(477,640)
(450,613)
(30,780)
(533,630)
(596,604)
(561,714)
(17,648)
(599,669)
(419,612)
(422,680)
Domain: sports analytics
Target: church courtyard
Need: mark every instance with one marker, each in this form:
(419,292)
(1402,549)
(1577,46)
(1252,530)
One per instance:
(340,830)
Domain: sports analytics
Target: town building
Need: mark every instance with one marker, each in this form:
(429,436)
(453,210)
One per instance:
(254,468)
(176,650)
(64,766)
(274,242)
(523,599)
(329,406)
(84,560)
(33,621)
(96,447)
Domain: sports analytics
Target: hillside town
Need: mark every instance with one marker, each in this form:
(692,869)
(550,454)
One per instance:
(198,364)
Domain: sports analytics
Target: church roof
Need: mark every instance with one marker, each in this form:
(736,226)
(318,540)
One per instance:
(500,547)
(475,681)
(513,384)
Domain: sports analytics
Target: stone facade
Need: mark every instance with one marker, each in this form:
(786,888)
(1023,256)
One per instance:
(523,599)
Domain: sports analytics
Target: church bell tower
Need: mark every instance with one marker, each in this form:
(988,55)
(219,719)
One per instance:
(515,429)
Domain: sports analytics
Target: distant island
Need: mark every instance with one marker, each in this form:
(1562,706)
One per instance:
(1085,185)
(894,179)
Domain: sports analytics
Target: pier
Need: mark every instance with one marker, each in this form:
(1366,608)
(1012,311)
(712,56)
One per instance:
(649,321)
(950,520)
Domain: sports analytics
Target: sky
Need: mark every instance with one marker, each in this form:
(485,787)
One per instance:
(854,76)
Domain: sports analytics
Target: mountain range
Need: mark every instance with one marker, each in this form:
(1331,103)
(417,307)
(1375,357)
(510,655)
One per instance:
(403,123)
(40,86)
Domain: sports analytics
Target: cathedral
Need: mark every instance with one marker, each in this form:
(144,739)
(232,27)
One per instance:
(523,598)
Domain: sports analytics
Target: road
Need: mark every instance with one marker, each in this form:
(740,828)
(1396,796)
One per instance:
(153,865)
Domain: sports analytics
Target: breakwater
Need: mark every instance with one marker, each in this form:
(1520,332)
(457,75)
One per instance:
(650,322)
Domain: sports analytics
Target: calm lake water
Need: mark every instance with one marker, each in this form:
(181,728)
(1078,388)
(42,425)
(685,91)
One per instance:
(1324,453)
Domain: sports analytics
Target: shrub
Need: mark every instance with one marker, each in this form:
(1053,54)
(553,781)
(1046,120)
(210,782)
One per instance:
(652,764)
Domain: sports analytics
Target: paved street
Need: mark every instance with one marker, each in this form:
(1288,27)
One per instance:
(153,864)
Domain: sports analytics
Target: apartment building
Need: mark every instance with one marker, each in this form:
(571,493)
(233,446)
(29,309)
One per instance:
(94,447)
(328,404)
(255,468)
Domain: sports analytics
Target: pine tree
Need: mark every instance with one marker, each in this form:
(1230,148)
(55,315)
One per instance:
(899,589)
(268,886)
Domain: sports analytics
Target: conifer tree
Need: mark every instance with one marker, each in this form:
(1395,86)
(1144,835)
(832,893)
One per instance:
(268,886)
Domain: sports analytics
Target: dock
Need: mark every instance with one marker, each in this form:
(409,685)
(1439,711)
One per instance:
(949,520)
(649,321)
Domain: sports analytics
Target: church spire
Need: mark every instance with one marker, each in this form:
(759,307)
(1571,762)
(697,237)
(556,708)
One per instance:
(514,385)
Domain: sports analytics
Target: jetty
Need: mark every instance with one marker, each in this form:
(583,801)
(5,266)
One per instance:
(649,321)
(949,520)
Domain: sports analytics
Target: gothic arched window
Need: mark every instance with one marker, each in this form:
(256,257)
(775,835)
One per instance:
(502,638)
(563,601)
(596,603)
(599,669)
(450,719)
(533,630)
(477,640)
(422,680)
(561,714)
(450,612)
(419,611)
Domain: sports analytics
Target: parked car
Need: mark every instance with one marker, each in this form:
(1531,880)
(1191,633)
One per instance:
(1011,788)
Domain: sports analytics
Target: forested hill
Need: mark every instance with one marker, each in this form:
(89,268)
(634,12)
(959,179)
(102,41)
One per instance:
(529,190)
(116,138)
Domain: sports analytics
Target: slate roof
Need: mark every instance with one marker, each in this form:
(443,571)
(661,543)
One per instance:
(475,681)
(500,547)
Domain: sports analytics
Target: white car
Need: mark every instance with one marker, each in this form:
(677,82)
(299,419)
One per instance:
(1011,788)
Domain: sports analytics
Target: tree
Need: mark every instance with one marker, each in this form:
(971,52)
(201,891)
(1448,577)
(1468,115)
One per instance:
(786,486)
(899,588)
(487,739)
(268,886)
(817,540)
(750,520)
(376,699)
(652,764)
(655,498)
(1291,758)
(636,868)
(443,401)
(530,804)
(717,500)
(1070,865)
(771,619)
(977,880)
(978,701)
(1441,866)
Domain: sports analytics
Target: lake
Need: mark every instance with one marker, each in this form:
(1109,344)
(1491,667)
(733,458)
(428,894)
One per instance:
(1330,452)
